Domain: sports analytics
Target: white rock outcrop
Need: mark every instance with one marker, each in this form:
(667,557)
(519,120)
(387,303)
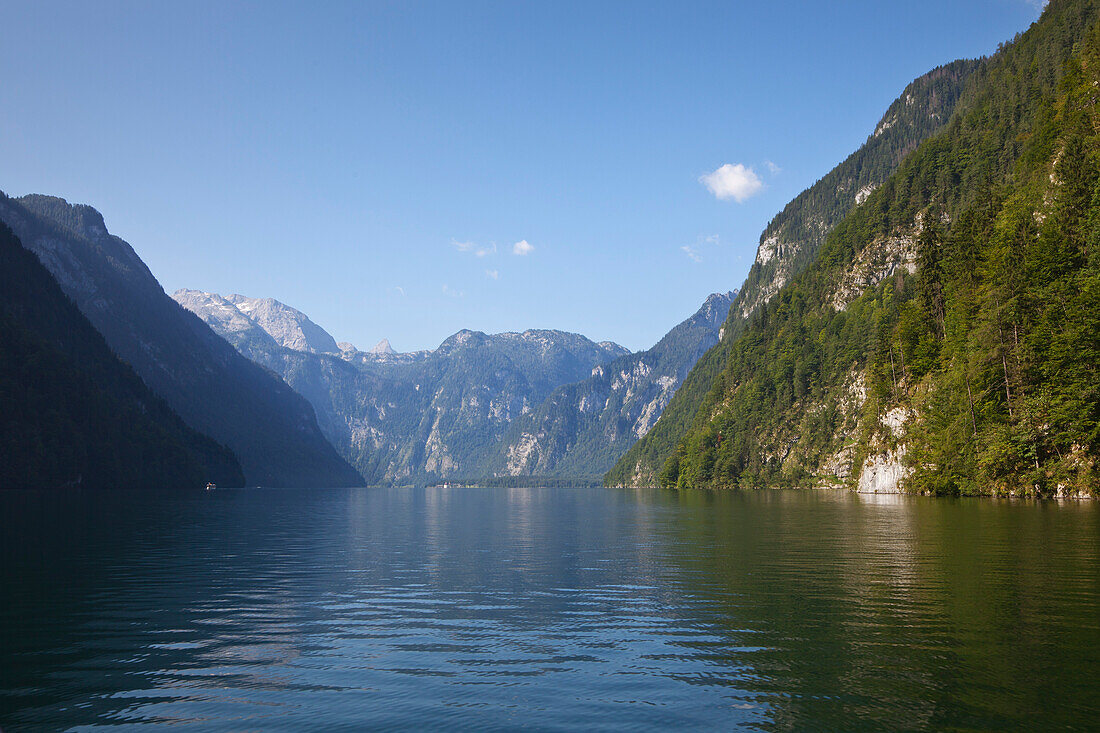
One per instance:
(883,473)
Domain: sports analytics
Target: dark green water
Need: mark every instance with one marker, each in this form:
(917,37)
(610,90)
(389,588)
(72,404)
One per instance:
(552,609)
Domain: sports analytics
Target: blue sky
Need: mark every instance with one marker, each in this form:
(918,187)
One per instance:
(405,170)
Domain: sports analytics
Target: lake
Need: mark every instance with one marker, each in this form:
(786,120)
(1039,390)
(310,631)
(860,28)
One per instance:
(553,609)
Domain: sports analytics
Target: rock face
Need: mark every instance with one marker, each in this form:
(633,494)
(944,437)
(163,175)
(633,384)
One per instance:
(416,417)
(881,260)
(216,391)
(289,327)
(883,474)
(583,428)
(792,239)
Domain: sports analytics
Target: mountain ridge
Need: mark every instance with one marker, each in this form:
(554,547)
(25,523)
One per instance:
(419,417)
(584,427)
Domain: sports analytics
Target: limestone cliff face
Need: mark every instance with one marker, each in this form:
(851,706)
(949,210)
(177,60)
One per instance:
(263,319)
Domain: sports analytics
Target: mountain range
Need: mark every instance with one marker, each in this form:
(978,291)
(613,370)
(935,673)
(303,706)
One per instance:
(537,403)
(581,429)
(925,317)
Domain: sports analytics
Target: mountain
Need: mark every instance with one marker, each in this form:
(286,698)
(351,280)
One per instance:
(74,415)
(583,428)
(216,391)
(791,241)
(290,328)
(946,339)
(382,348)
(422,416)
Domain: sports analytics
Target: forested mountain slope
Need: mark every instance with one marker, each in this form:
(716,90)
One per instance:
(792,239)
(420,417)
(73,414)
(272,430)
(581,429)
(947,337)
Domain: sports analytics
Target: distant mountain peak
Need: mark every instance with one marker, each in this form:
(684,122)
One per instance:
(382,348)
(719,297)
(289,327)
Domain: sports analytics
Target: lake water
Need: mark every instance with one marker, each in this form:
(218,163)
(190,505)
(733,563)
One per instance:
(552,609)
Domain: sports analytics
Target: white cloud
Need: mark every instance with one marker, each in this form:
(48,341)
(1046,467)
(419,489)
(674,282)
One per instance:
(452,293)
(694,251)
(733,182)
(400,290)
(1039,5)
(492,274)
(523,247)
(475,249)
(772,167)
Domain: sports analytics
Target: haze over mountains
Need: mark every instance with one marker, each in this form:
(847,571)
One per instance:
(74,415)
(397,418)
(581,429)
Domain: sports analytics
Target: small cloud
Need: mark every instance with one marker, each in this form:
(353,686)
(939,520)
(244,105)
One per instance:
(400,290)
(492,274)
(772,167)
(475,249)
(523,247)
(451,292)
(1038,5)
(733,182)
(695,251)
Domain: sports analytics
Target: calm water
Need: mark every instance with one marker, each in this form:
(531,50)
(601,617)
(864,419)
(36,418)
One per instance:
(552,609)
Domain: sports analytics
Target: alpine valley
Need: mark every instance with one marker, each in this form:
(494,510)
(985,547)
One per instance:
(924,318)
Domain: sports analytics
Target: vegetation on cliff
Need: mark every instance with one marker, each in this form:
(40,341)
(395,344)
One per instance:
(975,346)
(792,239)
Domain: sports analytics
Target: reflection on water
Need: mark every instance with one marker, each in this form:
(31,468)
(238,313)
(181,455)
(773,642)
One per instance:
(588,609)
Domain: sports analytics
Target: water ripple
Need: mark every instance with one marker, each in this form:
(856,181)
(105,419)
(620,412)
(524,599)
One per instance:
(494,609)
